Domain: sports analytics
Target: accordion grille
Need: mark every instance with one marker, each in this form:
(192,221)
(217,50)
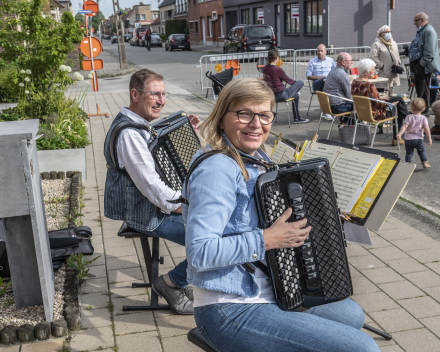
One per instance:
(186,144)
(327,236)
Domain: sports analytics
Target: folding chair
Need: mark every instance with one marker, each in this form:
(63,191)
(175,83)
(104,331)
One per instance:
(364,113)
(324,103)
(312,93)
(287,102)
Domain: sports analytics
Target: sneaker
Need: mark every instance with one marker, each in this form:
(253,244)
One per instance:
(328,117)
(175,297)
(300,120)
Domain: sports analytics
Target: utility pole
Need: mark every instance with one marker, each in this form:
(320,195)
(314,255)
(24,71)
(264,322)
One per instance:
(118,24)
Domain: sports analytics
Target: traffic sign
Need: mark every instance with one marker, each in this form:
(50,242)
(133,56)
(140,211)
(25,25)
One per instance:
(92,6)
(97,63)
(85,11)
(96,47)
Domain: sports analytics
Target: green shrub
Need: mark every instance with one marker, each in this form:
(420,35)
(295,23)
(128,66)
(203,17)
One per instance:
(8,85)
(174,27)
(10,114)
(163,37)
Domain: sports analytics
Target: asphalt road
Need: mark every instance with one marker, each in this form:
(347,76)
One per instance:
(179,67)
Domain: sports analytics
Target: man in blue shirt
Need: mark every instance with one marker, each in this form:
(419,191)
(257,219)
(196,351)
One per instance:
(319,67)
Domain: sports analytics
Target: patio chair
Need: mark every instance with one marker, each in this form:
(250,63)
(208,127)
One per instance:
(287,102)
(364,113)
(312,93)
(324,103)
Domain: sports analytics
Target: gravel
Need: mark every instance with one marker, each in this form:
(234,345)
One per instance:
(56,195)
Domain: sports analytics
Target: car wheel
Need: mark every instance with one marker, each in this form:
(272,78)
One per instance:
(166,48)
(224,50)
(171,48)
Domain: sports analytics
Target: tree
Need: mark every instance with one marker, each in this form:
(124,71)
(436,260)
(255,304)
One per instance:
(80,18)
(97,20)
(42,44)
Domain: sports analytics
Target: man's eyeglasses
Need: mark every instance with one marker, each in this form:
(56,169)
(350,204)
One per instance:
(246,116)
(156,95)
(415,21)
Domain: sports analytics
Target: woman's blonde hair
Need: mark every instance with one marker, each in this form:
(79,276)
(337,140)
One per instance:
(382,29)
(237,91)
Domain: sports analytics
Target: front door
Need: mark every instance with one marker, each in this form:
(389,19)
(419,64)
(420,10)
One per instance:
(204,30)
(278,25)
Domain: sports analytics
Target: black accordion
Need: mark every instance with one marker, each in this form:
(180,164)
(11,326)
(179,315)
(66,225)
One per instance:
(317,272)
(174,145)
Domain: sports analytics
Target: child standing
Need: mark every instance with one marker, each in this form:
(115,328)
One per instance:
(414,125)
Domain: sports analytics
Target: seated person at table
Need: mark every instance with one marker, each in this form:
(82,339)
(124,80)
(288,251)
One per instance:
(319,67)
(235,310)
(275,76)
(361,86)
(338,83)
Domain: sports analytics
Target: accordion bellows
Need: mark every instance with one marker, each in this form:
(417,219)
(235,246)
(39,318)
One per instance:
(317,272)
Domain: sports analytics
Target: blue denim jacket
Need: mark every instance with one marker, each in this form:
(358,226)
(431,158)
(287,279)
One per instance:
(222,226)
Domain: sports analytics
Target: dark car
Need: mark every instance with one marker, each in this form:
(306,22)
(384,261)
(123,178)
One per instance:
(114,39)
(156,40)
(127,37)
(250,38)
(177,41)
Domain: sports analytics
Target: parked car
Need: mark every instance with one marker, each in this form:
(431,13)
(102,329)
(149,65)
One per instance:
(127,37)
(114,39)
(249,38)
(177,41)
(105,36)
(156,40)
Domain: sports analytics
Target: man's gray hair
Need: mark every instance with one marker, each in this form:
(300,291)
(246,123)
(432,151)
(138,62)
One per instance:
(382,29)
(341,57)
(423,16)
(365,65)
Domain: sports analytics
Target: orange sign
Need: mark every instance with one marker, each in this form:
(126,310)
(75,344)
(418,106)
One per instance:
(235,64)
(91,5)
(218,67)
(96,46)
(97,63)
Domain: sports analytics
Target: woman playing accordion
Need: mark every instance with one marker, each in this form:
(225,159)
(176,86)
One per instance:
(235,310)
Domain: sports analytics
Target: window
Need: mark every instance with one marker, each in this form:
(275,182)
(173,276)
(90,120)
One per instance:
(142,17)
(209,27)
(138,17)
(259,15)
(191,26)
(196,27)
(313,16)
(220,19)
(245,18)
(291,13)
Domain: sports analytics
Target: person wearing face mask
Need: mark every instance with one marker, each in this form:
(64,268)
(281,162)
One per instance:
(424,57)
(385,54)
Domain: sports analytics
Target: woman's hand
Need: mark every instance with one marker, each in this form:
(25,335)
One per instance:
(396,102)
(194,120)
(286,235)
(385,98)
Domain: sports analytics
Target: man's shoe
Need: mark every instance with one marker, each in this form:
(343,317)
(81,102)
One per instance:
(300,120)
(175,297)
(328,117)
(435,131)
(426,165)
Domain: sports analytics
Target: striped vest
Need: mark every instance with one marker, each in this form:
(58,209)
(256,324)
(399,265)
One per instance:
(122,199)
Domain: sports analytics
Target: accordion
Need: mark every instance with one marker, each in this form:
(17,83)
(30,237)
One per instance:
(317,272)
(173,147)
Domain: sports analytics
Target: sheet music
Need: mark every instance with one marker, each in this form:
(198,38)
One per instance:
(318,150)
(282,153)
(350,173)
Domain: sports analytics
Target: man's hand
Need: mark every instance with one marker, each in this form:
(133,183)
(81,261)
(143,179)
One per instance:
(194,120)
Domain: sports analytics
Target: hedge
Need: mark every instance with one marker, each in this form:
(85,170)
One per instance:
(175,27)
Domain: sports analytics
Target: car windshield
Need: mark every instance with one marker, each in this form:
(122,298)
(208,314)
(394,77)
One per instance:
(179,37)
(155,36)
(259,32)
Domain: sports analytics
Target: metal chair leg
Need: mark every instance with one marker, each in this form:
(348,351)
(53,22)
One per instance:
(293,112)
(276,111)
(374,135)
(330,131)
(354,134)
(310,103)
(319,123)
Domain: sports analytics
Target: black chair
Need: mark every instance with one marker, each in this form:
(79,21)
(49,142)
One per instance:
(197,339)
(152,261)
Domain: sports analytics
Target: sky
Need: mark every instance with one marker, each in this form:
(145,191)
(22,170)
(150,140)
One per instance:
(106,6)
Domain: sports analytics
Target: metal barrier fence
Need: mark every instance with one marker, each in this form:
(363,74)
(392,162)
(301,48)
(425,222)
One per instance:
(248,64)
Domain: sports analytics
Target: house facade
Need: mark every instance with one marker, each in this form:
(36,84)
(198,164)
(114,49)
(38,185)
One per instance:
(206,21)
(181,10)
(143,15)
(304,24)
(155,26)
(128,20)
(66,5)
(166,13)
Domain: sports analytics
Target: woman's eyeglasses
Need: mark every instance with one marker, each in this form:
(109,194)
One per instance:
(246,116)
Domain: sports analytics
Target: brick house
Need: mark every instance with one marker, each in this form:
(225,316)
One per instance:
(181,10)
(206,22)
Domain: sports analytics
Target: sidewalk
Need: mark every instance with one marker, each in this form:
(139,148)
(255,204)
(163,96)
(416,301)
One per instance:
(397,281)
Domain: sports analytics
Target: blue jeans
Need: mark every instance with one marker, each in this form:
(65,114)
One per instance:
(172,229)
(418,145)
(318,85)
(291,92)
(333,327)
(339,109)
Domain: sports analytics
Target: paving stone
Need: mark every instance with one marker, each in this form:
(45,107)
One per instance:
(135,322)
(354,272)
(174,325)
(356,250)
(417,340)
(395,320)
(374,302)
(15,348)
(118,242)
(406,265)
(95,318)
(433,324)
(131,261)
(92,339)
(98,271)
(124,289)
(421,307)
(391,348)
(42,346)
(139,300)
(178,251)
(179,343)
(95,300)
(122,275)
(434,292)
(362,285)
(388,253)
(380,341)
(382,275)
(139,342)
(395,234)
(121,251)
(401,290)
(434,266)
(378,242)
(413,244)
(425,255)
(366,262)
(94,285)
(96,230)
(171,244)
(424,279)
